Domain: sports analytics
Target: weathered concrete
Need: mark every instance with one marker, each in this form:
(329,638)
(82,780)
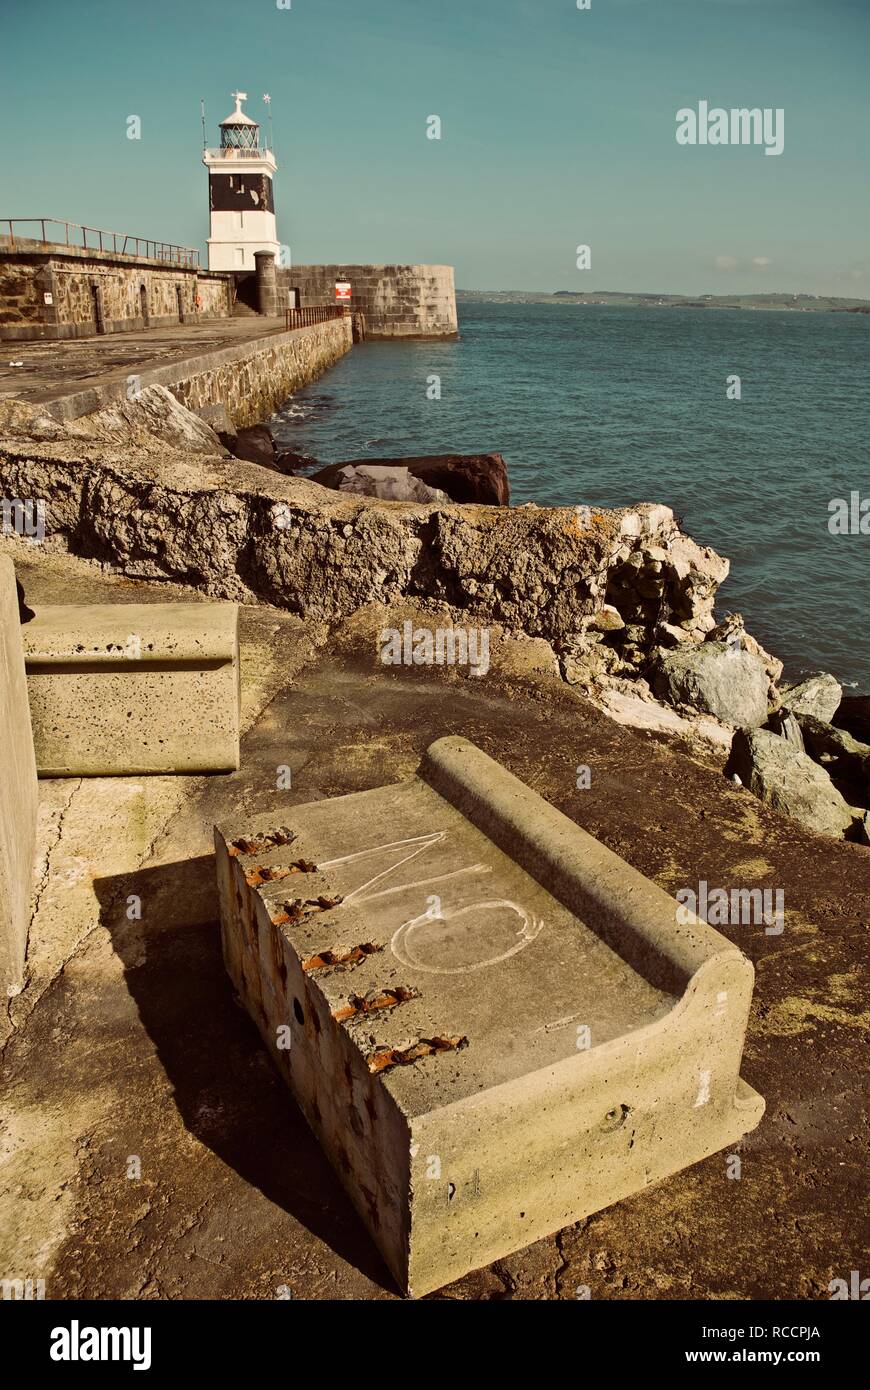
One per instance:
(18,791)
(420,1034)
(129,1042)
(133,688)
(250,365)
(242,532)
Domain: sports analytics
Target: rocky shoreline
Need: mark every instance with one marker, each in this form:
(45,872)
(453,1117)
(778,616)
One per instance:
(625,600)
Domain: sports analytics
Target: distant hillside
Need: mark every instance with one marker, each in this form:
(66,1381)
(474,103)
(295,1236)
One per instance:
(617,298)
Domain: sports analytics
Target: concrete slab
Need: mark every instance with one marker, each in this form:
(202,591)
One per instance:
(133,688)
(18,790)
(493,1024)
(54,371)
(133,1044)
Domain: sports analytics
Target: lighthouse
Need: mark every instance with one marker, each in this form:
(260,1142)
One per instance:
(241,204)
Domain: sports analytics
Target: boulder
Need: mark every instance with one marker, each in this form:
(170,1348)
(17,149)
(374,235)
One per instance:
(388,484)
(290,461)
(861,828)
(733,632)
(786,779)
(783,723)
(255,445)
(151,414)
(720,680)
(607,619)
(149,418)
(819,695)
(853,715)
(584,660)
(21,419)
(842,756)
(478,478)
(667,635)
(217,419)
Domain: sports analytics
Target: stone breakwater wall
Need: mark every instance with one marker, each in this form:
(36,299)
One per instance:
(253,380)
(56,292)
(398,301)
(237,531)
(250,378)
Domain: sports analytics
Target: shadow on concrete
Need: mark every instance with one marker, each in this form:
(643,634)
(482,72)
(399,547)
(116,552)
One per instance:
(228,1092)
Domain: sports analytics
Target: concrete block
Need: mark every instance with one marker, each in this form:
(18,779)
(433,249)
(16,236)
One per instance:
(492,1023)
(18,791)
(133,688)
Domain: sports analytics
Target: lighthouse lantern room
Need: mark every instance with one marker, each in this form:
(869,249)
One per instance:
(242,207)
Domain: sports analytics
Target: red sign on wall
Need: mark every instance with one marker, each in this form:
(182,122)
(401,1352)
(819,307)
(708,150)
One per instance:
(342,291)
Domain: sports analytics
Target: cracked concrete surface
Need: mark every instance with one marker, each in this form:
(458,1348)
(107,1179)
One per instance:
(128,1044)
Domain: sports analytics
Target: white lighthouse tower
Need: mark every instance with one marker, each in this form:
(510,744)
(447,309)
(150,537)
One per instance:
(241,204)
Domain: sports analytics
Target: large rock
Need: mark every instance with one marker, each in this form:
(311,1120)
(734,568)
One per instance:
(733,632)
(152,413)
(150,417)
(853,715)
(720,680)
(255,445)
(842,756)
(23,420)
(785,724)
(819,695)
(461,477)
(387,484)
(216,416)
(291,461)
(778,773)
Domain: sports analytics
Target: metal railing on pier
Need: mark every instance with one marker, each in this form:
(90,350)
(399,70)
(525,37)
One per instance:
(314,313)
(74,234)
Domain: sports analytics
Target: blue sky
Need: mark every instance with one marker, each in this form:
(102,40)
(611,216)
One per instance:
(558,128)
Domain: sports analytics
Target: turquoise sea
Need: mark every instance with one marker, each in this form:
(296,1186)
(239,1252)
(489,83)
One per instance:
(610,406)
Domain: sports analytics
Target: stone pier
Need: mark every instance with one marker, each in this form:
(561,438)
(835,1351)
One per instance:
(250,365)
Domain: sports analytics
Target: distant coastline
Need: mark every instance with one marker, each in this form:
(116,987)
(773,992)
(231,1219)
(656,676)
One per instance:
(812,303)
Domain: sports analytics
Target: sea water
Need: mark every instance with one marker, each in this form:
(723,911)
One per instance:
(609,406)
